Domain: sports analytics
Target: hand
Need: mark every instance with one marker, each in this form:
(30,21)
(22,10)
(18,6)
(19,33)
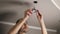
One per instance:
(28,12)
(39,15)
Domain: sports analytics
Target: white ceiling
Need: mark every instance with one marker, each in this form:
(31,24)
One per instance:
(56,3)
(50,12)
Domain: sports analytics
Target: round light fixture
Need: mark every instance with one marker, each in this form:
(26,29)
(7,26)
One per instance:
(56,3)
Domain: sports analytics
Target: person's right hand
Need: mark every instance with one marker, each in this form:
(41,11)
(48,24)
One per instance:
(28,12)
(39,15)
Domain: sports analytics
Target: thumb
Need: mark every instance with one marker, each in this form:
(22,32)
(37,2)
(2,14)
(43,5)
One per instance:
(37,12)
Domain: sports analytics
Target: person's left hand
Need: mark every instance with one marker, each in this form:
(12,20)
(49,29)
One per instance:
(28,12)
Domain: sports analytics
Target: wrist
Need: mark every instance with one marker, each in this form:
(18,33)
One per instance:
(41,20)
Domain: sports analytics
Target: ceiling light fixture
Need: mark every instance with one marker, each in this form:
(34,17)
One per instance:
(34,7)
(56,3)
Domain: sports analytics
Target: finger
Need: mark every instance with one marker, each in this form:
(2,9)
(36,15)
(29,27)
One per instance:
(28,13)
(39,12)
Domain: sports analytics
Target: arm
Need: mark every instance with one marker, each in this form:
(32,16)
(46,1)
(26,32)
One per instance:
(18,26)
(41,21)
(24,29)
(43,27)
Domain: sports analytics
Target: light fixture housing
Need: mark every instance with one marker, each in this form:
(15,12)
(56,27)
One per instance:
(56,3)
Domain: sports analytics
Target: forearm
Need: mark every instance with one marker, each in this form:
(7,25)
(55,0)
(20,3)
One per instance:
(43,27)
(16,28)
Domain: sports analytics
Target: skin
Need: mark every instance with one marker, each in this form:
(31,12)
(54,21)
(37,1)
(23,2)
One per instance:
(24,27)
(20,24)
(41,21)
